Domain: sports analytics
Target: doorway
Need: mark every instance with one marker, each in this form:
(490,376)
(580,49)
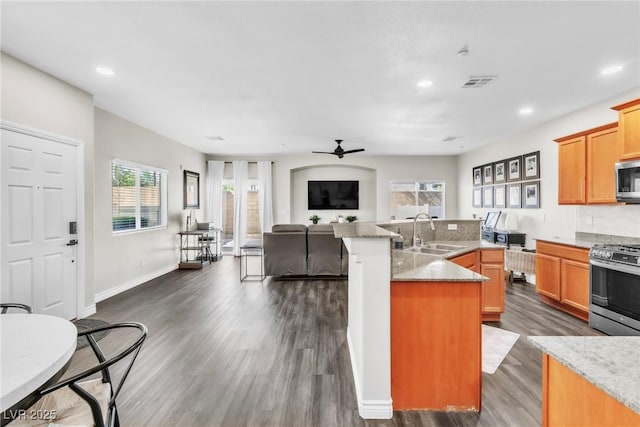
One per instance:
(39,218)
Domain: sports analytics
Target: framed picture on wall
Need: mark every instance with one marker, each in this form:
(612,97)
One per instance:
(499,196)
(477,197)
(487,174)
(191,190)
(531,165)
(477,176)
(531,194)
(514,196)
(514,166)
(500,172)
(487,197)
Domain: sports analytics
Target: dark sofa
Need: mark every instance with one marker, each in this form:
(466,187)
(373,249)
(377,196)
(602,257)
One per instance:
(298,250)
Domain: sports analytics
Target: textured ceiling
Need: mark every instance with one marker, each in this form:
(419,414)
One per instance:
(275,77)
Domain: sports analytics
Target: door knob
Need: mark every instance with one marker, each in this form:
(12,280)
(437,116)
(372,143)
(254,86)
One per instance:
(72,242)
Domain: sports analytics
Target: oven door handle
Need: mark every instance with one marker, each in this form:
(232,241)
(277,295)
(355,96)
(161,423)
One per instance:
(616,267)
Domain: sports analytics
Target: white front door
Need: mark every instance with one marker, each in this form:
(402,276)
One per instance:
(39,200)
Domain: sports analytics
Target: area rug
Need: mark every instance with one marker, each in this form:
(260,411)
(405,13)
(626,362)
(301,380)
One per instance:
(83,325)
(496,344)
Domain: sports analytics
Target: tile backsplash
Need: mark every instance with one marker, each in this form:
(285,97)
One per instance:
(465,230)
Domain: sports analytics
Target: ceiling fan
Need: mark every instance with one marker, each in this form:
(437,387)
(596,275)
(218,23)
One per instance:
(339,151)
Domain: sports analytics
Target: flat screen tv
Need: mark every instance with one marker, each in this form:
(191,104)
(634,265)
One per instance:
(333,195)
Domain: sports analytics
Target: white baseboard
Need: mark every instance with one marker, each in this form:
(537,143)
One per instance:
(88,311)
(101,296)
(375,409)
(368,409)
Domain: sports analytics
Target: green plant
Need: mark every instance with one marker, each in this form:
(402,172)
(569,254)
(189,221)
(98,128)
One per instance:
(351,218)
(315,218)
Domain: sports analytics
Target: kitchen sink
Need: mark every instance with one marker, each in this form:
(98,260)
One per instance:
(441,246)
(427,250)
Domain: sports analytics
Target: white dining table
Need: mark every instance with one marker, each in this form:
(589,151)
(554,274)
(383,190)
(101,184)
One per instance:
(33,348)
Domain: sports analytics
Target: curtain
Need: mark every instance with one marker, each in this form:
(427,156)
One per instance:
(240,188)
(266,198)
(215,173)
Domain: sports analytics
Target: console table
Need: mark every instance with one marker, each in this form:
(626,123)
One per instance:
(195,248)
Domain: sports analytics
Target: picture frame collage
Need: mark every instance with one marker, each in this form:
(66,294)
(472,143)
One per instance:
(512,183)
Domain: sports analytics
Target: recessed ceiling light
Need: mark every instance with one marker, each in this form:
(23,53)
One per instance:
(525,111)
(104,71)
(611,70)
(425,83)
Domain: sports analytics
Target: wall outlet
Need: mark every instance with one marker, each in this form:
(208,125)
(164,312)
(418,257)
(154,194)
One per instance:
(452,226)
(588,220)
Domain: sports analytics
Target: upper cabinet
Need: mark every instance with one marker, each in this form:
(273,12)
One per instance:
(629,129)
(586,163)
(601,159)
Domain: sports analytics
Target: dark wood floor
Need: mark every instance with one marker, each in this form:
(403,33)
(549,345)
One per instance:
(225,353)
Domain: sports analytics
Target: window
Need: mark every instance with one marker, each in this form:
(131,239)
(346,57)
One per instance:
(138,197)
(408,198)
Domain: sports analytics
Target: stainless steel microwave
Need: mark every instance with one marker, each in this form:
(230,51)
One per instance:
(628,182)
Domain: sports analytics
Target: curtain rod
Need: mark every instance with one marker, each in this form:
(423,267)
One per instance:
(255,161)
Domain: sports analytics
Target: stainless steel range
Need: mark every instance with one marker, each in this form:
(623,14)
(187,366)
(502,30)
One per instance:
(615,289)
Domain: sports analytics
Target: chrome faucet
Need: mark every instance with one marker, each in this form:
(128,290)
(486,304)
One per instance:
(416,239)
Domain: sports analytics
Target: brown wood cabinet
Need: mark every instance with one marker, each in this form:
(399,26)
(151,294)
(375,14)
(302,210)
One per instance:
(602,155)
(570,400)
(436,346)
(562,277)
(492,266)
(586,163)
(629,134)
(572,170)
(548,275)
(489,263)
(468,260)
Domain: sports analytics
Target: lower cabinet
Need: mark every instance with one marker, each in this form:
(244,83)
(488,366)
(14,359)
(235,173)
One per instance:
(562,277)
(489,263)
(568,399)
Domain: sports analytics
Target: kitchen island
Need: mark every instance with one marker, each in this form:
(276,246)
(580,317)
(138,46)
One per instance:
(414,328)
(590,381)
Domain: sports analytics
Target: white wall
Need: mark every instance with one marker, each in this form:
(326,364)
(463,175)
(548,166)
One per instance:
(367,191)
(287,207)
(38,100)
(126,260)
(552,219)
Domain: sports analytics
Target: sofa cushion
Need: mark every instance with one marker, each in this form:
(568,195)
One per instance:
(288,228)
(320,228)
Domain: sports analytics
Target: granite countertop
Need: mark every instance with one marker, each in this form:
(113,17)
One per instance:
(609,363)
(410,266)
(588,240)
(580,243)
(362,229)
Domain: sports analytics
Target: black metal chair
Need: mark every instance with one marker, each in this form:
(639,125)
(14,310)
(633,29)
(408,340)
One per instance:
(7,305)
(90,402)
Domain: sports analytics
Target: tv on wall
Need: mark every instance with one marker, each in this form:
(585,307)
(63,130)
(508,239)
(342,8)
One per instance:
(333,195)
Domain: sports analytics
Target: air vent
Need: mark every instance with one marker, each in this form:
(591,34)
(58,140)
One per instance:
(476,82)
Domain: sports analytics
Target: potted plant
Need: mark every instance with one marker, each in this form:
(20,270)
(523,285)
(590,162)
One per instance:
(315,218)
(351,218)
